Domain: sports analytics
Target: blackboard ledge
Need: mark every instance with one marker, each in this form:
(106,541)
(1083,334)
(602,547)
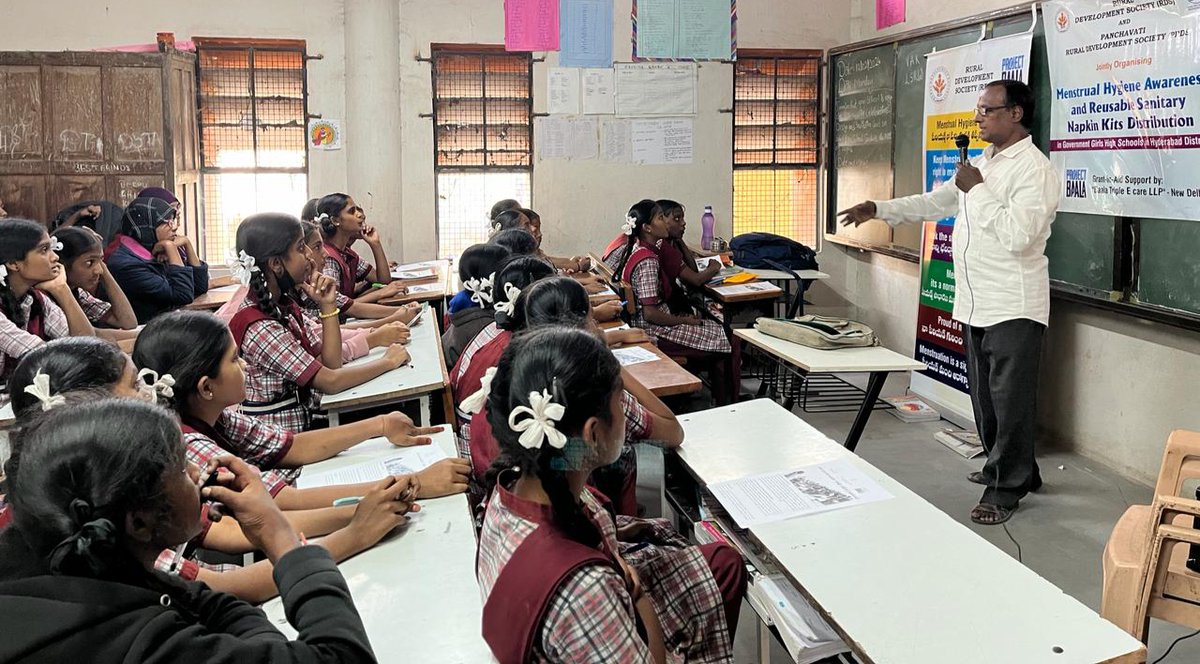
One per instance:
(1109,301)
(895,251)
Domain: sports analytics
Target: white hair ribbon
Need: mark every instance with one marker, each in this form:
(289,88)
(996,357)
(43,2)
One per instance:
(509,306)
(480,289)
(539,426)
(3,276)
(161,386)
(474,403)
(56,244)
(323,217)
(630,222)
(241,266)
(40,389)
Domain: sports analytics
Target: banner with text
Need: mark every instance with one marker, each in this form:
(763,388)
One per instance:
(1126,105)
(954,80)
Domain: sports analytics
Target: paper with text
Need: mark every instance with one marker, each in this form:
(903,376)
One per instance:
(598,94)
(531,25)
(660,88)
(567,138)
(562,84)
(404,461)
(586,33)
(662,141)
(634,355)
(617,137)
(780,495)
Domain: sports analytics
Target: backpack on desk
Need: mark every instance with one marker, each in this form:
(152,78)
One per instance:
(819,331)
(756,251)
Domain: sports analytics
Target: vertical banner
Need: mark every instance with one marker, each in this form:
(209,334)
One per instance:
(1124,132)
(954,80)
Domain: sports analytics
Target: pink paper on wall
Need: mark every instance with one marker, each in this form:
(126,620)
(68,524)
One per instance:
(531,25)
(888,13)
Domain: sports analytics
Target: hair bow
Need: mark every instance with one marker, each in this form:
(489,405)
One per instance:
(474,403)
(40,389)
(160,386)
(324,216)
(481,289)
(56,244)
(241,266)
(509,306)
(3,276)
(630,222)
(539,426)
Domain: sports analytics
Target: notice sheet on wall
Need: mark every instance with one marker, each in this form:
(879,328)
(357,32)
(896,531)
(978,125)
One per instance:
(666,88)
(666,141)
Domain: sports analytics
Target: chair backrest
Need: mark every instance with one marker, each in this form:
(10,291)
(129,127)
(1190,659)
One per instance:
(1181,462)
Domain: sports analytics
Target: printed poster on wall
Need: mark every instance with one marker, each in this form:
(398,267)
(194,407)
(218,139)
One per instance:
(954,79)
(1126,106)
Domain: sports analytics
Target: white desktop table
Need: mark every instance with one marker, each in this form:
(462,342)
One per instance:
(874,360)
(899,580)
(416,591)
(421,377)
(7,416)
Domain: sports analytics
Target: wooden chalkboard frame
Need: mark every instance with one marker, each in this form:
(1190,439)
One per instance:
(1122,296)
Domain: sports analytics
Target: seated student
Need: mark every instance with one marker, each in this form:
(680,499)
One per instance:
(91,514)
(87,368)
(551,567)
(291,358)
(472,309)
(29,272)
(343,223)
(104,217)
(197,350)
(561,301)
(518,241)
(83,256)
(573,265)
(467,374)
(619,247)
(157,269)
(502,206)
(678,261)
(370,314)
(690,335)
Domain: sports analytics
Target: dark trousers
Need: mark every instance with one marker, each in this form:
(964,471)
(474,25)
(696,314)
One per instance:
(1002,367)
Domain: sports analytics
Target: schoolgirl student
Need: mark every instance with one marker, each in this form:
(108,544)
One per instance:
(619,247)
(343,223)
(678,261)
(309,211)
(82,255)
(548,547)
(91,514)
(689,335)
(467,374)
(36,302)
(561,301)
(157,269)
(370,314)
(291,358)
(501,206)
(197,350)
(472,308)
(518,241)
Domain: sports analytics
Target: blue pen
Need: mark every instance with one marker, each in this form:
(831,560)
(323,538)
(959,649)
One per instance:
(349,500)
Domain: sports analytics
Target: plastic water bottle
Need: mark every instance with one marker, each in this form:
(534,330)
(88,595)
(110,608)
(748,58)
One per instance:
(706,224)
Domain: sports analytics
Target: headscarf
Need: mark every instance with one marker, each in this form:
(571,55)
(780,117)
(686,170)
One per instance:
(143,217)
(159,193)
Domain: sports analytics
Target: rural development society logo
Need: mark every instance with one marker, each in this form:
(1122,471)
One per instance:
(1062,20)
(939,84)
(1077,182)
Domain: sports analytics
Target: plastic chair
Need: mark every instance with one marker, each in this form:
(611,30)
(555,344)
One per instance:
(1145,572)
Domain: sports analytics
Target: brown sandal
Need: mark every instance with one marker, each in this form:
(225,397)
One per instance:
(986,514)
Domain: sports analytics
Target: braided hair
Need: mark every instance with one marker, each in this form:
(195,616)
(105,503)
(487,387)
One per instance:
(581,374)
(189,345)
(18,237)
(519,272)
(641,214)
(265,236)
(329,208)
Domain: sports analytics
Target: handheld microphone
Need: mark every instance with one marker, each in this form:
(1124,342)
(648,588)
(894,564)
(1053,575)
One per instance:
(962,141)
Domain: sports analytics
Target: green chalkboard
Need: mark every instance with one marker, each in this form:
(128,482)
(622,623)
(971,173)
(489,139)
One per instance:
(1169,275)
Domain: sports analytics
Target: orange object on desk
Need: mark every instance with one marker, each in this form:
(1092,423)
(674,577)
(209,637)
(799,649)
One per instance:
(739,278)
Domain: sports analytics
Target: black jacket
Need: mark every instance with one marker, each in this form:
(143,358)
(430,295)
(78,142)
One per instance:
(50,618)
(464,326)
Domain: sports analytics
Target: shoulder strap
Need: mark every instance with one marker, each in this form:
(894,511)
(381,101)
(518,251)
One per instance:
(37,316)
(517,604)
(345,273)
(242,321)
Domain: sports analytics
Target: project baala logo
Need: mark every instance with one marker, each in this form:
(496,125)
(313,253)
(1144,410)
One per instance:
(1077,183)
(939,84)
(1062,20)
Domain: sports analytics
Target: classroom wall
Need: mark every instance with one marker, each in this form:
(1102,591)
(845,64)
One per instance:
(1112,387)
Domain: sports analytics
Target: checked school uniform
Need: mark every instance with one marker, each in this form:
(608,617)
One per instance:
(281,363)
(255,441)
(651,287)
(345,267)
(550,599)
(93,307)
(44,322)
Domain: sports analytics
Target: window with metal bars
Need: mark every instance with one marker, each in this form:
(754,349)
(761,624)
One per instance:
(253,103)
(483,137)
(776,143)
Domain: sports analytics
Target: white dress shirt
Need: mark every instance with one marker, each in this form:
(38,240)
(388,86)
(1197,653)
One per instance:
(1001,271)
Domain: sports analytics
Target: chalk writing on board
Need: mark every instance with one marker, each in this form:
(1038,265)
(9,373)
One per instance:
(19,138)
(107,167)
(75,142)
(140,144)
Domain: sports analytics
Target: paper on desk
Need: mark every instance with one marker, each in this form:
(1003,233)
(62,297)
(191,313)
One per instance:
(423,288)
(634,355)
(780,495)
(752,287)
(419,273)
(403,461)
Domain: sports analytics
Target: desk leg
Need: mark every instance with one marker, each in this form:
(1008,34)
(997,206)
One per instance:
(764,641)
(426,417)
(874,387)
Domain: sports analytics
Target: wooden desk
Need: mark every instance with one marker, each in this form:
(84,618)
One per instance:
(416,590)
(664,377)
(899,580)
(432,290)
(423,376)
(876,360)
(214,299)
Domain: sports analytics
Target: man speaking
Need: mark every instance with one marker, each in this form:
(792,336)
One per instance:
(1004,201)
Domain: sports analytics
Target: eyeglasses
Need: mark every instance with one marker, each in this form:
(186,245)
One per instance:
(984,111)
(172,223)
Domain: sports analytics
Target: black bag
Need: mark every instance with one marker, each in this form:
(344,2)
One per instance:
(754,250)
